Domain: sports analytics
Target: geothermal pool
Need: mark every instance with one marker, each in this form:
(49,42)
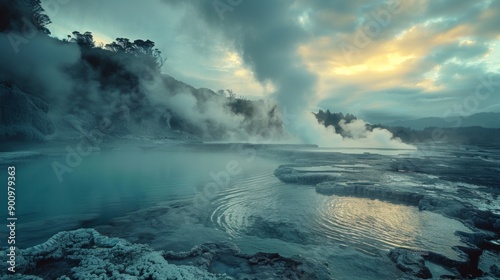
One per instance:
(221,195)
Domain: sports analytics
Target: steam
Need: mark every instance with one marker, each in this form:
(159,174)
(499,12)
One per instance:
(135,103)
(38,67)
(56,72)
(209,116)
(267,36)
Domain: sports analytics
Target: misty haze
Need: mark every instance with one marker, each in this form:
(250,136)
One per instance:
(250,139)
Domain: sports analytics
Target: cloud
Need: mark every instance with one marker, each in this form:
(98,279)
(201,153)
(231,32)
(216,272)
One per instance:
(421,56)
(415,41)
(268,46)
(89,85)
(199,60)
(267,35)
(434,51)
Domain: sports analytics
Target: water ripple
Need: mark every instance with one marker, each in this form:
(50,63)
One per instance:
(260,205)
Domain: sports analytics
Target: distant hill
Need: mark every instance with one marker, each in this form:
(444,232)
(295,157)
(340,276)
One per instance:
(53,89)
(482,129)
(486,120)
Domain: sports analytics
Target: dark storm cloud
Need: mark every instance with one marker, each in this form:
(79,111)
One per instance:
(267,35)
(458,40)
(330,17)
(446,45)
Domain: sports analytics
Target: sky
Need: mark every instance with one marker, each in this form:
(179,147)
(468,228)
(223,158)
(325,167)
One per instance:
(379,60)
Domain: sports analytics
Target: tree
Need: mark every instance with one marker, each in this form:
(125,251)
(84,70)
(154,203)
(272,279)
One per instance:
(139,48)
(16,14)
(328,118)
(230,94)
(148,49)
(40,19)
(221,93)
(120,45)
(84,40)
(144,47)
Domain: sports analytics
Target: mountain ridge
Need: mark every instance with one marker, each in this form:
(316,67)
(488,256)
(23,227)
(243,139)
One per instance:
(484,119)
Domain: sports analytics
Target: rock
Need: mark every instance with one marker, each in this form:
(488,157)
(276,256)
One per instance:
(478,218)
(289,175)
(495,270)
(475,239)
(468,263)
(447,206)
(225,258)
(489,264)
(409,262)
(360,189)
(496,225)
(85,254)
(202,255)
(23,116)
(470,268)
(493,245)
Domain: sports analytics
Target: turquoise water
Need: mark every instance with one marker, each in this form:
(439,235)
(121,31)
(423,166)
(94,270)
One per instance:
(252,209)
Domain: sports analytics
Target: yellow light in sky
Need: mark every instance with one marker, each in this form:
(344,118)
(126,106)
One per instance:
(62,32)
(383,63)
(349,70)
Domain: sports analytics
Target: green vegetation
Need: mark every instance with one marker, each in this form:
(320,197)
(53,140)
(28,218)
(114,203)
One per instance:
(328,119)
(122,83)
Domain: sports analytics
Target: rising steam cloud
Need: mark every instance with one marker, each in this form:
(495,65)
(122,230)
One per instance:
(267,35)
(56,72)
(79,94)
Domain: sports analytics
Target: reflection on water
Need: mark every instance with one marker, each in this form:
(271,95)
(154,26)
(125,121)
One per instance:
(261,205)
(255,204)
(373,224)
(104,186)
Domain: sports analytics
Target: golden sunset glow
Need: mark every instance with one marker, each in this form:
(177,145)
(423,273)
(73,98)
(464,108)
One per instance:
(354,54)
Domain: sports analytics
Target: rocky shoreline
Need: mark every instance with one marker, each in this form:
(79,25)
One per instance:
(117,250)
(86,254)
(391,183)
